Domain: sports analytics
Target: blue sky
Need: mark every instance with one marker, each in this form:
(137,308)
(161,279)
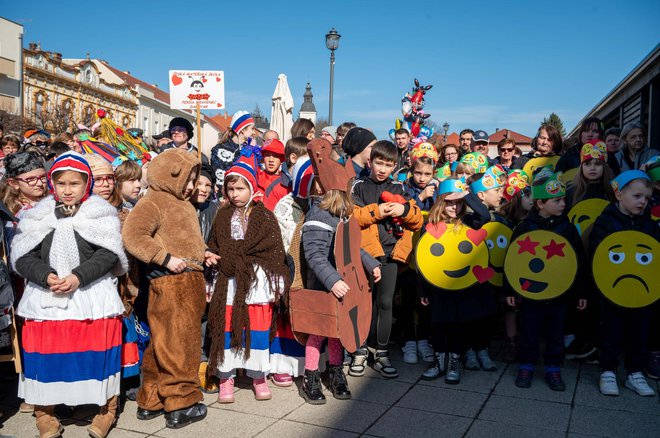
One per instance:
(492,64)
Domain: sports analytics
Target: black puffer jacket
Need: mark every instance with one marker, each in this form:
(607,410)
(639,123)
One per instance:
(613,220)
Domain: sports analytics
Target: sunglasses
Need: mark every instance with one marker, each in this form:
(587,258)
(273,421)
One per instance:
(177,129)
(506,149)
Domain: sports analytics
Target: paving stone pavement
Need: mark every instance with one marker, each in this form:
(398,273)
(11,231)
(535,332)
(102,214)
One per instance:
(484,404)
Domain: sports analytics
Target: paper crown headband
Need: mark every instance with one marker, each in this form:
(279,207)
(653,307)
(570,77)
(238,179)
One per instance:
(493,178)
(624,178)
(332,175)
(593,149)
(424,149)
(454,188)
(652,168)
(516,181)
(477,160)
(553,187)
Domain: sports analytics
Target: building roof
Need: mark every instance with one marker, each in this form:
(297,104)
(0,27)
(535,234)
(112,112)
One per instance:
(159,94)
(507,133)
(308,104)
(220,121)
(649,64)
(452,138)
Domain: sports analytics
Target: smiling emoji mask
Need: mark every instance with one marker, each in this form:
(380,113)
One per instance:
(540,265)
(453,257)
(626,269)
(499,236)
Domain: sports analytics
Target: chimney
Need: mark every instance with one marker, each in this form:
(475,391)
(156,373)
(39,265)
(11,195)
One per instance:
(87,55)
(32,47)
(497,129)
(506,134)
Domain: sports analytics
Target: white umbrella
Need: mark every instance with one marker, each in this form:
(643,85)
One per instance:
(281,116)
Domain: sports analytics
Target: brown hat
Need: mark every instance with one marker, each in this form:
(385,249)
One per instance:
(99,165)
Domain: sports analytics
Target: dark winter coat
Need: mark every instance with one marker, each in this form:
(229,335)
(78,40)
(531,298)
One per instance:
(223,157)
(412,191)
(612,220)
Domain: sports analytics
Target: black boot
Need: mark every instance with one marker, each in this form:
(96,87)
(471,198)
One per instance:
(311,388)
(183,417)
(338,383)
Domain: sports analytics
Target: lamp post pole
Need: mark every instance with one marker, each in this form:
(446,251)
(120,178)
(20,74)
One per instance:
(332,43)
(445,128)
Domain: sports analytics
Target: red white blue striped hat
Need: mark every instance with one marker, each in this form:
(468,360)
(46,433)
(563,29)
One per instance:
(75,162)
(240,121)
(302,175)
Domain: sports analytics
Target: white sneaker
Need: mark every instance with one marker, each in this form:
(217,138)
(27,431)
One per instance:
(608,384)
(410,352)
(425,351)
(637,383)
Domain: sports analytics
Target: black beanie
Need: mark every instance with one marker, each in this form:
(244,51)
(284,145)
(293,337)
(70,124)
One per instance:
(183,123)
(356,140)
(207,171)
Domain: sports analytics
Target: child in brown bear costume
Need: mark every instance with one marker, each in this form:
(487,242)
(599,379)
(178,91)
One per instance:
(163,232)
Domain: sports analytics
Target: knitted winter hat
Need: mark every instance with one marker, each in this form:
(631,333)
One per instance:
(516,181)
(548,185)
(357,140)
(593,149)
(98,164)
(75,162)
(22,162)
(302,176)
(493,178)
(245,167)
(240,121)
(181,123)
(207,171)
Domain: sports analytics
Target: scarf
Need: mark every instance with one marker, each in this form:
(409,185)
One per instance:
(261,246)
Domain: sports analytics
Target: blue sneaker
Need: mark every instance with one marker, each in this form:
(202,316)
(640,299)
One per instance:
(525,375)
(553,378)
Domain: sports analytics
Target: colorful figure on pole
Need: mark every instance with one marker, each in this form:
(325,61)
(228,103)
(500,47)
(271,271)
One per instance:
(412,108)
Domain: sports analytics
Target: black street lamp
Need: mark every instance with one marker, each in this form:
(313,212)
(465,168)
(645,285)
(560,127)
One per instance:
(445,128)
(332,43)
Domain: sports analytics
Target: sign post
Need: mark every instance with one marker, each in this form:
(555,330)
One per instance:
(197,90)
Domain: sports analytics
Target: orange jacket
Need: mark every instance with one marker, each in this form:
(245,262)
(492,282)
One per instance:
(368,218)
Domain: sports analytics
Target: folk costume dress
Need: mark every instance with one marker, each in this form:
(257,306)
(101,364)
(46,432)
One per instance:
(72,342)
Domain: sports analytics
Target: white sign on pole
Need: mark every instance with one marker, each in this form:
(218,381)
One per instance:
(190,87)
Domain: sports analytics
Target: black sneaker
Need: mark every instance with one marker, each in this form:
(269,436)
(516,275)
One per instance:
(579,350)
(652,368)
(593,358)
(183,417)
(553,379)
(525,376)
(383,365)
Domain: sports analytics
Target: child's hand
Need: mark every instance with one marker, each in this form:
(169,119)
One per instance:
(428,192)
(384,209)
(511,301)
(424,301)
(53,280)
(582,304)
(376,274)
(397,210)
(176,265)
(211,259)
(69,284)
(339,289)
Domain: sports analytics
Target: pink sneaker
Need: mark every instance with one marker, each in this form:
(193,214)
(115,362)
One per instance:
(226,393)
(282,380)
(261,390)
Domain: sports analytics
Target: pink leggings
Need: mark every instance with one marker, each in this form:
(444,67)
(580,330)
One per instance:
(313,351)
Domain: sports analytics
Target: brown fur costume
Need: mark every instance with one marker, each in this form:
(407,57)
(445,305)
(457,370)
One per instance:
(262,246)
(164,224)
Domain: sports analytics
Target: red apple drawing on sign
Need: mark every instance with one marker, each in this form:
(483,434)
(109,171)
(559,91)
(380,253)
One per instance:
(176,80)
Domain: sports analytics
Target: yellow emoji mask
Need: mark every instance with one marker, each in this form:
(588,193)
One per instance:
(453,257)
(499,236)
(538,162)
(627,270)
(584,213)
(540,265)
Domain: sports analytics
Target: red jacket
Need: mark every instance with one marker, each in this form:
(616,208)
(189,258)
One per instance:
(272,187)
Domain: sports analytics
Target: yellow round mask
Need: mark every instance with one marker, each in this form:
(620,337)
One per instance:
(453,257)
(497,241)
(540,265)
(537,162)
(569,176)
(584,213)
(627,270)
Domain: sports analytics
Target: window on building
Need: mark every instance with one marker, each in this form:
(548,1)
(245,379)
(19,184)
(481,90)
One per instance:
(39,101)
(88,116)
(125,121)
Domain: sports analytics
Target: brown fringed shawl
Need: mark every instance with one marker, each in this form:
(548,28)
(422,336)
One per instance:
(262,246)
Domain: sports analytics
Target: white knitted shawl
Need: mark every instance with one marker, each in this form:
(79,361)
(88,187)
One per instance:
(96,222)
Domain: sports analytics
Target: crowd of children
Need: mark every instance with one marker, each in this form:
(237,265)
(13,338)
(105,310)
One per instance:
(182,270)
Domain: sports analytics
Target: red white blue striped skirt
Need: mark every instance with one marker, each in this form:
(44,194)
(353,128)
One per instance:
(71,362)
(260,321)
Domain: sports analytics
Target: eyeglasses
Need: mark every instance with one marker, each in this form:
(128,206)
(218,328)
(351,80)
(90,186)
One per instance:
(506,149)
(32,181)
(102,180)
(177,129)
(451,154)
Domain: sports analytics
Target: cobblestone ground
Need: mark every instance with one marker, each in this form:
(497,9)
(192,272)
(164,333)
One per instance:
(485,404)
